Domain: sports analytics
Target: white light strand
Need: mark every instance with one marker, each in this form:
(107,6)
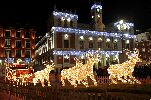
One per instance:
(78,52)
(65,15)
(88,32)
(95,6)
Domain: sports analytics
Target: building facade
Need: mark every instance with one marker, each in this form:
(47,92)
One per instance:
(16,44)
(143,43)
(67,39)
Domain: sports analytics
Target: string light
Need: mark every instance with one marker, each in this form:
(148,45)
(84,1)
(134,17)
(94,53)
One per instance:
(95,6)
(43,75)
(79,73)
(91,33)
(123,72)
(65,15)
(78,52)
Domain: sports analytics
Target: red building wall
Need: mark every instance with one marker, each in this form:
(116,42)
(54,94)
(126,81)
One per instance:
(72,41)
(59,39)
(13,42)
(144,45)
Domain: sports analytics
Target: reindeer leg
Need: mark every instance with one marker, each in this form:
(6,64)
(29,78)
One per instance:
(93,79)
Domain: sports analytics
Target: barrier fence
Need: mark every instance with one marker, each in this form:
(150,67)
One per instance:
(103,91)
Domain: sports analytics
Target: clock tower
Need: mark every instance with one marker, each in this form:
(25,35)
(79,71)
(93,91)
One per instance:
(96,17)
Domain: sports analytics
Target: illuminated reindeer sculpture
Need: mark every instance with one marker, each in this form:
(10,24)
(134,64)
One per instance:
(43,75)
(80,72)
(123,72)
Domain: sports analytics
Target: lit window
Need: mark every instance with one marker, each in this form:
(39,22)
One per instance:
(8,53)
(92,16)
(7,42)
(98,15)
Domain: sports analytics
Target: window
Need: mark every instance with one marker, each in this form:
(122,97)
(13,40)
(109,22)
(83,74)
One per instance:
(115,45)
(27,35)
(71,23)
(18,53)
(18,43)
(59,22)
(65,23)
(27,53)
(66,58)
(8,53)
(127,44)
(66,43)
(7,33)
(27,43)
(7,42)
(18,34)
(108,43)
(99,44)
(90,44)
(81,44)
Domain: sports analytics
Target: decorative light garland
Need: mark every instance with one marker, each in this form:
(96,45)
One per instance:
(78,52)
(127,24)
(122,73)
(65,15)
(88,32)
(80,72)
(95,6)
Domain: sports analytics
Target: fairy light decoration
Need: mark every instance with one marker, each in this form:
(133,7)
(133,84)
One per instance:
(80,72)
(122,73)
(41,76)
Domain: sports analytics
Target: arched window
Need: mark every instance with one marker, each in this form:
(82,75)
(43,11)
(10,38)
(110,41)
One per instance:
(59,22)
(71,24)
(65,23)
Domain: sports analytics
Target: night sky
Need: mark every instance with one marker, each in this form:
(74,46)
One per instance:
(35,12)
